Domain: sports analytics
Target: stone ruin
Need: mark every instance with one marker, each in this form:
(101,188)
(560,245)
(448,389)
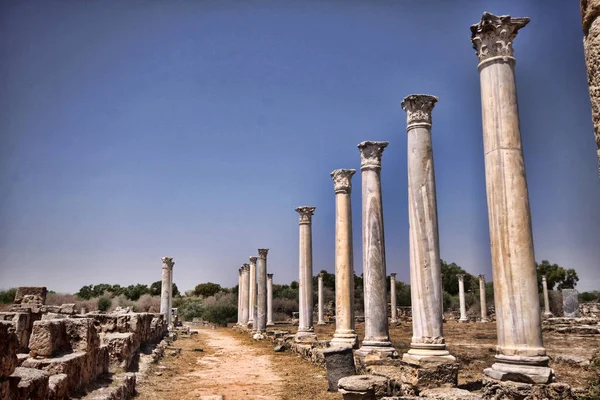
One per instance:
(52,352)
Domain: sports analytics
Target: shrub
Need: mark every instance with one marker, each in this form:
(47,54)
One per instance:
(122,301)
(148,303)
(7,296)
(58,299)
(189,307)
(285,306)
(220,314)
(104,303)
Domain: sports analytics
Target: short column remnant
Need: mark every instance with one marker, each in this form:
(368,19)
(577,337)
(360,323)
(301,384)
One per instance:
(547,312)
(165,290)
(321,300)
(461,298)
(239,320)
(344,260)
(252,293)
(245,294)
(363,387)
(339,362)
(376,341)
(570,303)
(482,300)
(521,353)
(270,300)
(393,306)
(261,303)
(306,331)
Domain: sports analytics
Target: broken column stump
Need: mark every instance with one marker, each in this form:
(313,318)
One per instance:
(339,361)
(363,387)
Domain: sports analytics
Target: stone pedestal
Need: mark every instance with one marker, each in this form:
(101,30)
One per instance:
(363,387)
(521,353)
(321,320)
(306,331)
(166,288)
(344,260)
(261,304)
(482,300)
(245,294)
(427,342)
(270,300)
(393,305)
(339,361)
(547,312)
(252,294)
(461,298)
(376,341)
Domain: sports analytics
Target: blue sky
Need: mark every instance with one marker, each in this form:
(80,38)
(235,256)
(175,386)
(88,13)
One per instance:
(141,129)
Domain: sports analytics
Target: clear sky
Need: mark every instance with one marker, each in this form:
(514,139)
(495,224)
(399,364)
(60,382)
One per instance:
(132,130)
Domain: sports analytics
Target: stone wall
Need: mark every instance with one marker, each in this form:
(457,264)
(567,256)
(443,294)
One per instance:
(35,295)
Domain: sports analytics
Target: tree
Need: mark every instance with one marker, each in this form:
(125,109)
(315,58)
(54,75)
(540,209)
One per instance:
(450,279)
(207,289)
(328,280)
(556,276)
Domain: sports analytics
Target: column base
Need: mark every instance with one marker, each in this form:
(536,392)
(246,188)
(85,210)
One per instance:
(521,369)
(463,320)
(321,323)
(548,315)
(270,323)
(422,353)
(484,320)
(305,337)
(258,336)
(394,322)
(378,349)
(494,389)
(348,339)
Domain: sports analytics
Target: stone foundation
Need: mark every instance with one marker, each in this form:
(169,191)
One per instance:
(497,390)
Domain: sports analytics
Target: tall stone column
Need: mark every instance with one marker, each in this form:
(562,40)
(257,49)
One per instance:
(482,300)
(425,265)
(165,291)
(261,303)
(547,312)
(270,300)
(245,294)
(461,298)
(393,305)
(521,353)
(590,22)
(321,300)
(239,320)
(305,325)
(376,340)
(252,294)
(171,294)
(344,260)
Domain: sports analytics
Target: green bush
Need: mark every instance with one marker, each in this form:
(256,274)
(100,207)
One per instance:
(7,296)
(104,303)
(189,308)
(220,314)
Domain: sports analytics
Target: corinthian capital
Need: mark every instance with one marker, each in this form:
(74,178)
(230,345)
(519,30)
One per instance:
(306,213)
(461,277)
(167,262)
(370,154)
(493,35)
(253,260)
(342,180)
(262,253)
(418,108)
(246,267)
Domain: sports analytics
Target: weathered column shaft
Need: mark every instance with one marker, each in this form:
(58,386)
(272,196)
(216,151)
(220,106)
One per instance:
(482,300)
(520,345)
(461,298)
(590,22)
(305,325)
(270,299)
(393,305)
(245,293)
(321,320)
(376,338)
(167,265)
(170,288)
(261,313)
(253,294)
(239,303)
(546,298)
(344,259)
(425,265)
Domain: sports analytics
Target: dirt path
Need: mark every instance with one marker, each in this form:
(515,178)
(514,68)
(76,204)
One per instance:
(225,366)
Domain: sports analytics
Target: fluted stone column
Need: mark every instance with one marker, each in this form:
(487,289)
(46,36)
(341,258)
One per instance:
(305,324)
(344,260)
(171,295)
(547,312)
(425,266)
(376,340)
(521,353)
(252,294)
(245,294)
(590,22)
(321,320)
(393,306)
(482,300)
(239,320)
(165,290)
(270,300)
(461,298)
(261,303)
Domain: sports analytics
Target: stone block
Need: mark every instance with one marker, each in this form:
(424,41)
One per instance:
(120,387)
(81,334)
(52,315)
(67,309)
(122,348)
(449,394)
(31,294)
(47,338)
(33,383)
(58,387)
(359,387)
(21,357)
(9,344)
(75,365)
(23,322)
(493,389)
(339,362)
(9,387)
(570,303)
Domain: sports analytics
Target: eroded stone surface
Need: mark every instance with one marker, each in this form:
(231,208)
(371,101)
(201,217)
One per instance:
(339,362)
(9,345)
(31,295)
(33,383)
(493,390)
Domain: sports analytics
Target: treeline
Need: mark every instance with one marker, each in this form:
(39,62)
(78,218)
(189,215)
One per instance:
(131,292)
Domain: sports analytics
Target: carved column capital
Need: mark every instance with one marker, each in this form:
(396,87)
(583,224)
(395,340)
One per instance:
(481,277)
(306,213)
(493,35)
(270,277)
(246,267)
(418,109)
(240,270)
(461,277)
(342,180)
(393,275)
(543,278)
(370,154)
(262,253)
(168,262)
(321,275)
(253,260)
